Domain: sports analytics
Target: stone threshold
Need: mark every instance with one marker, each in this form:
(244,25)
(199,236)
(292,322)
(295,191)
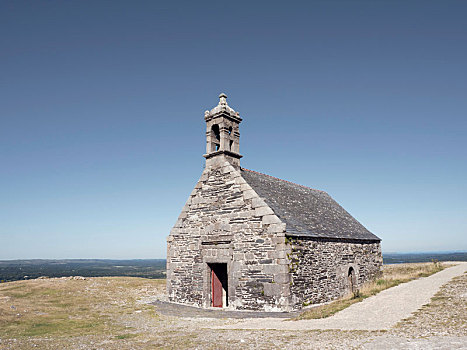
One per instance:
(173,309)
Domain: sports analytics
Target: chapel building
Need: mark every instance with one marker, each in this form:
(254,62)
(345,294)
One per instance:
(249,241)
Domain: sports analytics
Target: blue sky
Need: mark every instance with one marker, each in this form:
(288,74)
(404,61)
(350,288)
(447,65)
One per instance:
(102,105)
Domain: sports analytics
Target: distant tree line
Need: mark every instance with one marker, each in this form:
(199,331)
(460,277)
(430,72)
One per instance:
(14,270)
(399,258)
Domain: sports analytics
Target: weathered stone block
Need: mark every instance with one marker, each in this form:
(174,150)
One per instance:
(277,240)
(258,202)
(249,194)
(245,187)
(285,290)
(239,256)
(262,211)
(280,254)
(271,219)
(282,278)
(282,261)
(273,269)
(239,180)
(276,228)
(272,289)
(249,256)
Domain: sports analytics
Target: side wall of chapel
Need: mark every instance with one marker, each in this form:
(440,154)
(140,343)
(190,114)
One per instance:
(320,267)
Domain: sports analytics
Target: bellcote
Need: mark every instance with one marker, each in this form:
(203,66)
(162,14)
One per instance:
(222,134)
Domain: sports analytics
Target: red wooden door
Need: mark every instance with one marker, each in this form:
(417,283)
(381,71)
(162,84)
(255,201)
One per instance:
(216,290)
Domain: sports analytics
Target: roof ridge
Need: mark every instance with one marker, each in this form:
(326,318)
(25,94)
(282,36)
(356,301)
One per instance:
(293,183)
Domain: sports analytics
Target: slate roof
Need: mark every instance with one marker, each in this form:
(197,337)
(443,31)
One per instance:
(306,212)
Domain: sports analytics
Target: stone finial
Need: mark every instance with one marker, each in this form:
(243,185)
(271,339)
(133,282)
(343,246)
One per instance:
(222,106)
(223,99)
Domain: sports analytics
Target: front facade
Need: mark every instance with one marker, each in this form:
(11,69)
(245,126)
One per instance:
(248,241)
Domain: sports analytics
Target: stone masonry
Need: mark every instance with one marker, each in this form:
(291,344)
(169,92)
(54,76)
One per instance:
(225,221)
(319,267)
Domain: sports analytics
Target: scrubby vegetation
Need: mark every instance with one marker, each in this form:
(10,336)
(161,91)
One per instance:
(393,275)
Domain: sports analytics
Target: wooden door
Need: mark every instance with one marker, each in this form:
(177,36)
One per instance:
(216,289)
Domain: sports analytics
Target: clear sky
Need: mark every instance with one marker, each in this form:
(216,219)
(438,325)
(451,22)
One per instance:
(102,106)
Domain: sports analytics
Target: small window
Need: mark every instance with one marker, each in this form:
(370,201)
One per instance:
(230,130)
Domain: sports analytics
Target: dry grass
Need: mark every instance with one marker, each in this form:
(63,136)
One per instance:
(67,307)
(393,275)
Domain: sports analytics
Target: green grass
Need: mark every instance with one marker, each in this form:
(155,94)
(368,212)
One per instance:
(126,336)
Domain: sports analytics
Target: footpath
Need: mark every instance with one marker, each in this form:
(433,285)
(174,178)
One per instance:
(379,312)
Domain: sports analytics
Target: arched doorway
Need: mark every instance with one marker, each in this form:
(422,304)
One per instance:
(351,279)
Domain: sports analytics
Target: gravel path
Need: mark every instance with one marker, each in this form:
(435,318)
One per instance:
(380,312)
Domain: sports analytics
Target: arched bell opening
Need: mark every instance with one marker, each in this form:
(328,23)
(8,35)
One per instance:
(215,138)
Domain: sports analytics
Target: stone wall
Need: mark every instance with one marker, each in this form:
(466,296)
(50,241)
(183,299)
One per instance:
(225,221)
(319,267)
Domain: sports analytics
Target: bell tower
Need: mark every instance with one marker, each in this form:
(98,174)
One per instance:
(222,134)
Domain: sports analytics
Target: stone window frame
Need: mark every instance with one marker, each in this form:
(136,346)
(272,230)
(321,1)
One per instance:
(345,273)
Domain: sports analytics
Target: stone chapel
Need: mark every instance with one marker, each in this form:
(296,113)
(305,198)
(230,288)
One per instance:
(249,241)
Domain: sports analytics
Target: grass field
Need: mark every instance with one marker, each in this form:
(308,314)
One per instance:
(68,307)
